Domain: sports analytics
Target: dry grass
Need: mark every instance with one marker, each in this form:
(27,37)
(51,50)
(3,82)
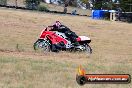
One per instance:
(111,43)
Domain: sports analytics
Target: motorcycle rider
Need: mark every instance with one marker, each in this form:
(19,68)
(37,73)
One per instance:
(57,26)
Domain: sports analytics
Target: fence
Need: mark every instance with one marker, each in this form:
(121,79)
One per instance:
(20,4)
(16,3)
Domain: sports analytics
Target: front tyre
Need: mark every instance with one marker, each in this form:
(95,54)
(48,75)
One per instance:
(42,45)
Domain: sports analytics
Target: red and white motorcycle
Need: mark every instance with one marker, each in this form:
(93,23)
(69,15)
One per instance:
(56,41)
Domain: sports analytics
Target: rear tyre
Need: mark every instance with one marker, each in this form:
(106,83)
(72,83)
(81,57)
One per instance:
(88,49)
(42,45)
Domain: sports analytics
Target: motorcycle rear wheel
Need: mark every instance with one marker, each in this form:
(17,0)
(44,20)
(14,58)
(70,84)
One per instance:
(88,49)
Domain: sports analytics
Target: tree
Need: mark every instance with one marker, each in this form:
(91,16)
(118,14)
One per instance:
(126,5)
(97,4)
(87,3)
(104,4)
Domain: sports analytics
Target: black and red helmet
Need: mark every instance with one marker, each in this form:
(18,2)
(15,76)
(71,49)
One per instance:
(57,24)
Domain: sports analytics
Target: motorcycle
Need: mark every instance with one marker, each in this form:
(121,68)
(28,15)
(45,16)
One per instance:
(55,41)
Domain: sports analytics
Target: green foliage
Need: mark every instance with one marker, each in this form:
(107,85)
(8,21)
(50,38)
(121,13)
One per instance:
(42,8)
(84,1)
(72,3)
(107,5)
(32,4)
(3,2)
(103,4)
(97,5)
(125,5)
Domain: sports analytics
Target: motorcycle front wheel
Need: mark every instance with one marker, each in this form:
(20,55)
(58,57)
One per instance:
(42,45)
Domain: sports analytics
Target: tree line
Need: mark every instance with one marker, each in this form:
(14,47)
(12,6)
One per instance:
(125,5)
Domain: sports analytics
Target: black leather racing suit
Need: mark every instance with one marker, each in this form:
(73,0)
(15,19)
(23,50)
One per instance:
(64,29)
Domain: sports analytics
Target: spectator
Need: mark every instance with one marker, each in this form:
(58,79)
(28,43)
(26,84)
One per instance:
(118,14)
(74,12)
(65,10)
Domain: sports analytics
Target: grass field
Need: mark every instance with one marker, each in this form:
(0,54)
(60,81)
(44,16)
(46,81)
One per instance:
(21,67)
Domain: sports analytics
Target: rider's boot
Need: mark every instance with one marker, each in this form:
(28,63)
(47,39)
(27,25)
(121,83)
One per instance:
(76,44)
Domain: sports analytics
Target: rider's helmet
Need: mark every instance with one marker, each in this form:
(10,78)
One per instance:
(57,24)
